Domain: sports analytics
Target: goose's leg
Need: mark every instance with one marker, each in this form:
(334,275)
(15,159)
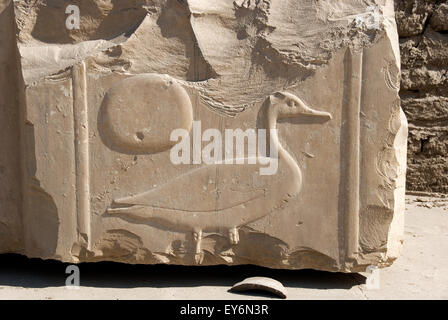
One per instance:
(234,236)
(198,254)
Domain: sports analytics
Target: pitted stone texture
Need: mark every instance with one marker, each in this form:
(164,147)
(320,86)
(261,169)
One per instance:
(422,26)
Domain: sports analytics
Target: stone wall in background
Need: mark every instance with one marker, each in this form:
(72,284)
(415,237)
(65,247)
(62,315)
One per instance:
(423,30)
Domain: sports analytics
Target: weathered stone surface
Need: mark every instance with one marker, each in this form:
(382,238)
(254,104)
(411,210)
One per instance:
(424,90)
(10,189)
(99,106)
(439,19)
(412,16)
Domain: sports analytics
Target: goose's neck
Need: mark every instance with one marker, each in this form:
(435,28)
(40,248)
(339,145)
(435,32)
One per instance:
(282,155)
(272,137)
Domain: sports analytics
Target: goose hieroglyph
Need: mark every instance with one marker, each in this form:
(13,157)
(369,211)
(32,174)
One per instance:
(222,198)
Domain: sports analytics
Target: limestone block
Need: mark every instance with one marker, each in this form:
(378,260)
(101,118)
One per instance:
(137,133)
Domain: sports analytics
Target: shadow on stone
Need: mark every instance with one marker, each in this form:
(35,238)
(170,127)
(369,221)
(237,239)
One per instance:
(19,271)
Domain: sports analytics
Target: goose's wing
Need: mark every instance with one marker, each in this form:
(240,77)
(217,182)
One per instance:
(208,188)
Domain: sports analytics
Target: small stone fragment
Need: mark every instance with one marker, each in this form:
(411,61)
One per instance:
(262,284)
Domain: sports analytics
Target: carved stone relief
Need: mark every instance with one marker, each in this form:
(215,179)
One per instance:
(282,118)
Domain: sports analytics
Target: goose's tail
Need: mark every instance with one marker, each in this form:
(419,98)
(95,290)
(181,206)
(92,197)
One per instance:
(117,208)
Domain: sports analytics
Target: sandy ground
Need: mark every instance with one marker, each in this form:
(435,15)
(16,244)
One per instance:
(420,273)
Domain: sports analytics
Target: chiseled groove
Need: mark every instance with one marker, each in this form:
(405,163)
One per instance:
(81,128)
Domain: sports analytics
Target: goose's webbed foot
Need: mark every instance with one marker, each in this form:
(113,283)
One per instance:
(198,254)
(234,236)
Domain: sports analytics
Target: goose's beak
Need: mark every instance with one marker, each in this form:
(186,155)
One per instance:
(302,110)
(318,114)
